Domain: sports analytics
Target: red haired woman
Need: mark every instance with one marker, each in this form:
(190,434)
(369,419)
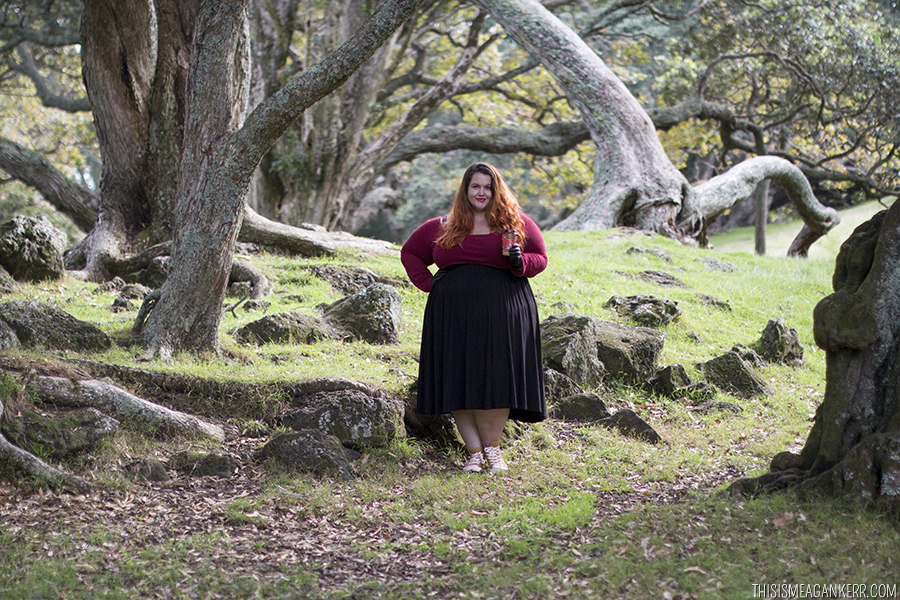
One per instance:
(481,353)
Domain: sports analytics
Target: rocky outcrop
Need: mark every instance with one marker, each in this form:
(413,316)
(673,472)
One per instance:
(648,311)
(734,375)
(310,450)
(372,315)
(39,325)
(31,249)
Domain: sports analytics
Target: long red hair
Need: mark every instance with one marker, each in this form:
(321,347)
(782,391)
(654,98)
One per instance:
(503,212)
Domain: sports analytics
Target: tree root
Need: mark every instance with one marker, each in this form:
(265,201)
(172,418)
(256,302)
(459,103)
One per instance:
(123,406)
(33,466)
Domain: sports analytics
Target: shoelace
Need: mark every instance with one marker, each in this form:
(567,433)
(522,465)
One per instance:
(494,459)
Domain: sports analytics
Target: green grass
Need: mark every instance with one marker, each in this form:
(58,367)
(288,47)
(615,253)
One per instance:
(583,512)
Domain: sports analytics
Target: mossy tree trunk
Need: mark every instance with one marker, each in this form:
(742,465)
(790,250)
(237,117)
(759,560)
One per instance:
(854,446)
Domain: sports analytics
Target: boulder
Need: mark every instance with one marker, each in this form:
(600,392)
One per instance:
(629,424)
(558,386)
(59,434)
(780,344)
(7,283)
(660,254)
(714,302)
(372,315)
(154,276)
(204,465)
(662,278)
(310,450)
(31,249)
(569,346)
(291,327)
(629,354)
(352,280)
(714,264)
(649,311)
(8,338)
(669,380)
(438,429)
(356,418)
(43,326)
(147,469)
(734,375)
(582,408)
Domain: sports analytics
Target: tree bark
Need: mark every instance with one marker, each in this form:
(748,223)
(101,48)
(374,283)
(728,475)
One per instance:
(33,466)
(761,206)
(122,406)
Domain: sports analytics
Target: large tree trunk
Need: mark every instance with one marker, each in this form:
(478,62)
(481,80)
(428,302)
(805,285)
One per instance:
(134,55)
(634,181)
(219,161)
(854,445)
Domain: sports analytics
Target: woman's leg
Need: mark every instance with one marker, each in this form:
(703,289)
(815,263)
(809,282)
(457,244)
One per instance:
(468,429)
(490,424)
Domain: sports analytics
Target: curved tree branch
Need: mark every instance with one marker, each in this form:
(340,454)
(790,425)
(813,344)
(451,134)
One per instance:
(73,200)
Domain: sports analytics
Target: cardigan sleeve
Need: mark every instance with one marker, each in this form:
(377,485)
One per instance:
(534,254)
(417,254)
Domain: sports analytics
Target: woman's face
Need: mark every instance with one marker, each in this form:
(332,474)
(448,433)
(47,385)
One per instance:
(480,191)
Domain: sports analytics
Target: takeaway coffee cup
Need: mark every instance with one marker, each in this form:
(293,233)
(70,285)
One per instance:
(510,237)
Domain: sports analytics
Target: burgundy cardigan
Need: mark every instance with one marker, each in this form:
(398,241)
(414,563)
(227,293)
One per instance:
(420,251)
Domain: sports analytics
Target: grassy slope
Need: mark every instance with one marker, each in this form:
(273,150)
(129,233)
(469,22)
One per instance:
(583,513)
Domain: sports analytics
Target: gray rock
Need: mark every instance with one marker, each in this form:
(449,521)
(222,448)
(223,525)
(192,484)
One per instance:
(31,249)
(8,338)
(780,344)
(285,328)
(629,354)
(154,276)
(7,283)
(786,461)
(437,429)
(569,346)
(749,354)
(660,254)
(147,470)
(628,423)
(134,291)
(354,417)
(43,326)
(662,278)
(558,386)
(113,285)
(714,302)
(59,434)
(310,450)
(352,280)
(204,465)
(734,375)
(581,408)
(649,311)
(669,380)
(714,264)
(372,315)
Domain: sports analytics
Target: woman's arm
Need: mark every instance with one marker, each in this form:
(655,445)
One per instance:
(534,253)
(417,254)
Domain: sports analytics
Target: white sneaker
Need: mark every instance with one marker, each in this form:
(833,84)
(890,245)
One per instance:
(493,459)
(475,462)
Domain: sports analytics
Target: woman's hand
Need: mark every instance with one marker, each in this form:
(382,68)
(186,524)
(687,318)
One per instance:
(515,257)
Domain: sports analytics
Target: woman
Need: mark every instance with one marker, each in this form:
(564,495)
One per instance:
(481,354)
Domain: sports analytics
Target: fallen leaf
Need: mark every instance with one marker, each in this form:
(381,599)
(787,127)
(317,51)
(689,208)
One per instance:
(784,519)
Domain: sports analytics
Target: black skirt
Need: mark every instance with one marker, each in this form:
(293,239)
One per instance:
(481,345)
